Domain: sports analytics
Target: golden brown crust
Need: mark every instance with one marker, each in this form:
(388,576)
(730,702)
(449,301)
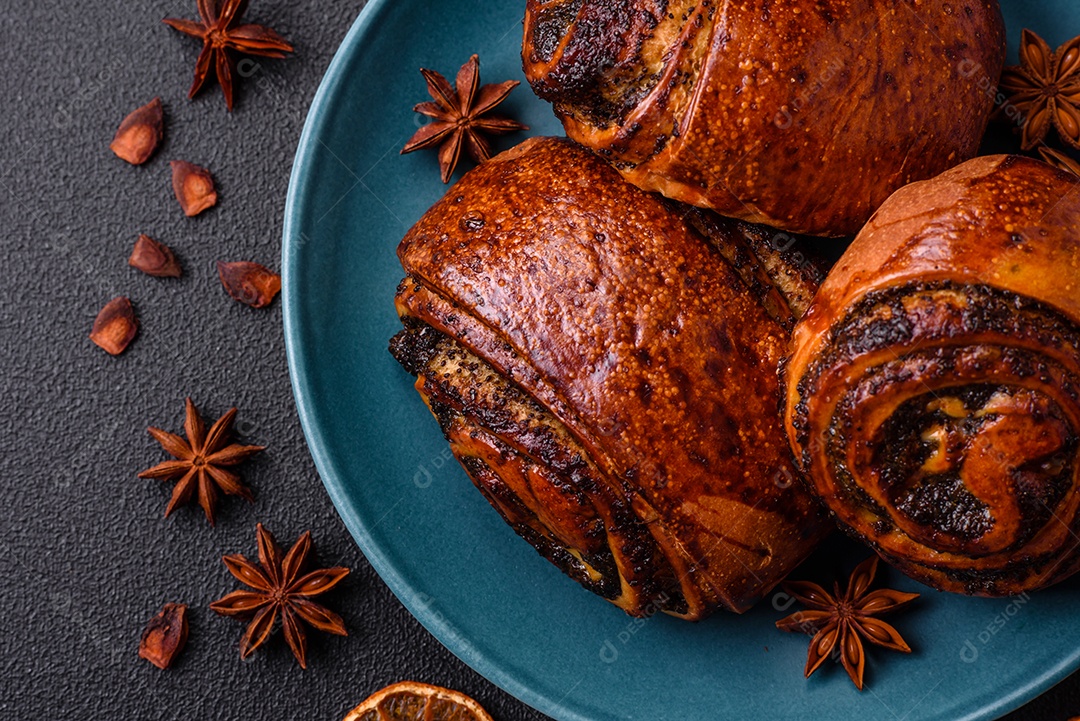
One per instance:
(801,115)
(612,312)
(539,478)
(933,393)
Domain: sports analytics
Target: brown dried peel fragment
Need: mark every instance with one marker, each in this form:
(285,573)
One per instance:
(165,635)
(249,283)
(139,133)
(115,326)
(194,187)
(154,258)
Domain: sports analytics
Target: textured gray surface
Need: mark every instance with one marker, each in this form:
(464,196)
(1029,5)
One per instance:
(85,556)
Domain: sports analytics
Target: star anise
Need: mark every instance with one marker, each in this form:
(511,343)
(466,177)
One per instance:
(460,116)
(1060,160)
(1045,89)
(201,461)
(280,591)
(841,621)
(221,33)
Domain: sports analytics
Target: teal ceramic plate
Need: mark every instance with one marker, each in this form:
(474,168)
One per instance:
(447,555)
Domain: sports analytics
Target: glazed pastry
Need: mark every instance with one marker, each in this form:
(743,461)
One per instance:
(603,364)
(933,395)
(804,115)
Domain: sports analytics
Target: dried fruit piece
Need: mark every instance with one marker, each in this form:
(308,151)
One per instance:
(154,258)
(165,635)
(115,326)
(249,283)
(193,186)
(139,133)
(409,700)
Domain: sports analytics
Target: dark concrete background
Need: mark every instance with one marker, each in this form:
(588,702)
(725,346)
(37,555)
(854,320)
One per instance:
(85,556)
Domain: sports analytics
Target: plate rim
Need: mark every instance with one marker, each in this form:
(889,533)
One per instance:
(435,624)
(402,589)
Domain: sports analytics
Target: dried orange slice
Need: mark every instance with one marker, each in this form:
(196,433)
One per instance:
(414,701)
